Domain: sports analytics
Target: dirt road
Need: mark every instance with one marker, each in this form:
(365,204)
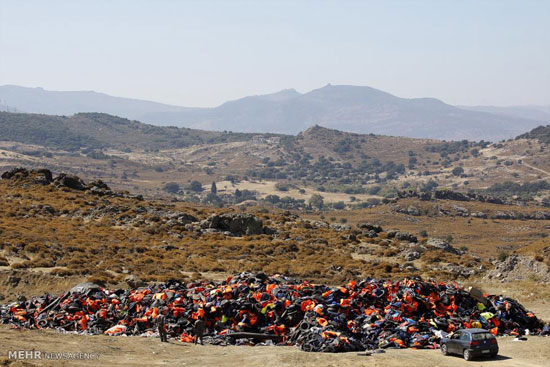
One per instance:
(136,351)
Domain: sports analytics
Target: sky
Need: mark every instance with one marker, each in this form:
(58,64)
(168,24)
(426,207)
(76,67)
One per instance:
(203,53)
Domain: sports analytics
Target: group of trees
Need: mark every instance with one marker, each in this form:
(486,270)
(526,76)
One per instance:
(514,188)
(195,186)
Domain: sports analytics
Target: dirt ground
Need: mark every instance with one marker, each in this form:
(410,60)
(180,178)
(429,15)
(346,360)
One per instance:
(136,351)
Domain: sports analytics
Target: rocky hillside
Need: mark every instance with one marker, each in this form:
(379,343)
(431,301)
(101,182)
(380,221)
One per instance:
(63,226)
(347,168)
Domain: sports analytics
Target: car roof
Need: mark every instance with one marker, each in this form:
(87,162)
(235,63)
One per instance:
(473,331)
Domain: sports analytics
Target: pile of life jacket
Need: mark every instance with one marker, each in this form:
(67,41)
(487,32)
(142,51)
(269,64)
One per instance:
(369,314)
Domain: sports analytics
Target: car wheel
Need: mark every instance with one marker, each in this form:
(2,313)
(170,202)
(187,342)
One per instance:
(493,355)
(444,349)
(467,355)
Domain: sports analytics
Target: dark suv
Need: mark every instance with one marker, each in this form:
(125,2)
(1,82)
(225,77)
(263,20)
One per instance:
(470,343)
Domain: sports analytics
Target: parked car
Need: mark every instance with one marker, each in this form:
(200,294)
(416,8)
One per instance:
(470,343)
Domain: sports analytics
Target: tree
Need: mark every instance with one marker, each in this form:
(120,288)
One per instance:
(429,186)
(212,198)
(316,201)
(214,189)
(457,171)
(195,186)
(171,187)
(273,199)
(339,205)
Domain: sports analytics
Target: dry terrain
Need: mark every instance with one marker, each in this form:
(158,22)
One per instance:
(54,236)
(133,156)
(136,351)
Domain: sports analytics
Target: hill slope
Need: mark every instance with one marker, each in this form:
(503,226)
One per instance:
(99,131)
(349,108)
(335,164)
(38,100)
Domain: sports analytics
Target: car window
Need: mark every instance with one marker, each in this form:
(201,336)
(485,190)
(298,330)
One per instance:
(465,336)
(482,336)
(456,336)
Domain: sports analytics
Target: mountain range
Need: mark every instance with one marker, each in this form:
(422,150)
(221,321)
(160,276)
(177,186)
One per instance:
(357,109)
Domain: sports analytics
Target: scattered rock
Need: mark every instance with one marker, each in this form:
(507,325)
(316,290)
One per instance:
(520,267)
(369,226)
(70,181)
(413,210)
(442,244)
(134,281)
(13,280)
(269,231)
(461,211)
(41,176)
(85,288)
(340,227)
(451,195)
(410,255)
(402,236)
(21,298)
(369,234)
(237,224)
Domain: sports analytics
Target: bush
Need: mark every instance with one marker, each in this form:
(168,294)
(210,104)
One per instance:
(281,186)
(316,201)
(373,190)
(373,201)
(171,187)
(429,186)
(195,186)
(457,171)
(339,205)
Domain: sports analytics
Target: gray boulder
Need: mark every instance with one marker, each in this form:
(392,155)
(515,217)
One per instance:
(402,236)
(413,210)
(134,282)
(370,227)
(70,181)
(410,254)
(438,243)
(85,288)
(236,224)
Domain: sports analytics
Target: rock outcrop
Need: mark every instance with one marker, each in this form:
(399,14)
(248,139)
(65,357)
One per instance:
(236,224)
(520,267)
(442,245)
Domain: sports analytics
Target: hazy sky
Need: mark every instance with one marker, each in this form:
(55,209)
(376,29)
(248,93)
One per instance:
(202,53)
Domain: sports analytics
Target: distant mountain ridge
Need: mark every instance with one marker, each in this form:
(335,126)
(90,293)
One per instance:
(38,100)
(356,109)
(539,113)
